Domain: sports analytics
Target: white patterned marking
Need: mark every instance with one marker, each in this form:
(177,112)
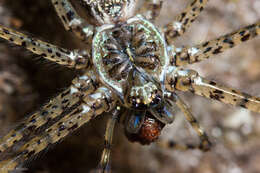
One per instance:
(73,90)
(192,51)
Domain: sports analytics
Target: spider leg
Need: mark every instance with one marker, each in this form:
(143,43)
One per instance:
(104,165)
(190,55)
(189,80)
(151,9)
(179,26)
(204,145)
(72,59)
(89,107)
(56,107)
(72,21)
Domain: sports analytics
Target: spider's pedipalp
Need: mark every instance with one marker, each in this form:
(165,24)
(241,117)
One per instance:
(206,50)
(151,9)
(179,26)
(189,80)
(72,21)
(92,105)
(72,59)
(56,107)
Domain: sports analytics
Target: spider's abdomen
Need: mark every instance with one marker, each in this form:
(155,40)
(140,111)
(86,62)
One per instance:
(131,59)
(111,11)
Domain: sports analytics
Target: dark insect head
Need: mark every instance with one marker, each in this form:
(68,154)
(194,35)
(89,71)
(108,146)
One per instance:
(142,127)
(145,126)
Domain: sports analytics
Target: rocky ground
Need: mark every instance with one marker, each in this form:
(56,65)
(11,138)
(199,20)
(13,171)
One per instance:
(25,84)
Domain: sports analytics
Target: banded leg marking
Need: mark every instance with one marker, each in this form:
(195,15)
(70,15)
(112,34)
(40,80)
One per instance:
(189,80)
(205,144)
(80,87)
(93,105)
(104,165)
(72,21)
(72,59)
(13,162)
(190,55)
(151,9)
(171,144)
(184,20)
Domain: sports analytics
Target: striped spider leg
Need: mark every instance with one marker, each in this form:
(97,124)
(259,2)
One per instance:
(205,143)
(86,109)
(189,80)
(72,21)
(197,53)
(151,9)
(72,59)
(50,111)
(182,22)
(104,165)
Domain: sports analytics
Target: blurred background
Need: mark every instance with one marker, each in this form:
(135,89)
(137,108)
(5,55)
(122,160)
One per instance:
(27,82)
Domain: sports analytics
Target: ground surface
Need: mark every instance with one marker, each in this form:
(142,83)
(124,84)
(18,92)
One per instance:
(234,131)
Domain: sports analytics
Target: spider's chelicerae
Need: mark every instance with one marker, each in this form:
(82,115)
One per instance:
(132,70)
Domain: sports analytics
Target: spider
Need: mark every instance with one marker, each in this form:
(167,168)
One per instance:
(132,70)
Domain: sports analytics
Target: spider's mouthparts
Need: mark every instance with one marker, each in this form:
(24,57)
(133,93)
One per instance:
(141,93)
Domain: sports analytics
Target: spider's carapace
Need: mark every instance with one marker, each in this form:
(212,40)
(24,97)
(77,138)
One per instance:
(131,59)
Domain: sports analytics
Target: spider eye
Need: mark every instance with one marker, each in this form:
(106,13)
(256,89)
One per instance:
(140,93)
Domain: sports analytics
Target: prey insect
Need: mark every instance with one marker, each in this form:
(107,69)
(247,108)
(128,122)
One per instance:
(132,70)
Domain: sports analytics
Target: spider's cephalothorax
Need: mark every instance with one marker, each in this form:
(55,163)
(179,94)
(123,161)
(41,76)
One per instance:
(110,11)
(131,59)
(131,66)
